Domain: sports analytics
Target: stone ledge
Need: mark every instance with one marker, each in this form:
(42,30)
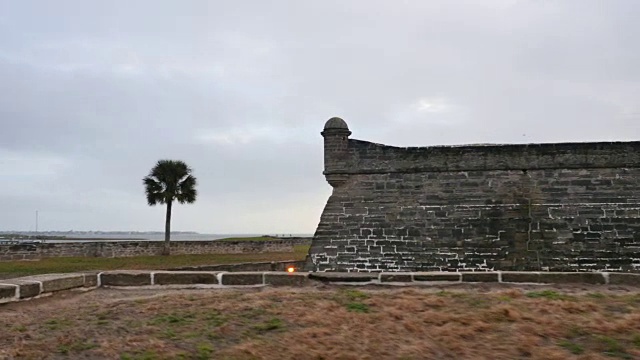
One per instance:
(480,276)
(184,277)
(286,279)
(242,278)
(26,288)
(57,282)
(437,276)
(91,279)
(624,279)
(344,277)
(8,292)
(520,277)
(396,277)
(572,278)
(125,278)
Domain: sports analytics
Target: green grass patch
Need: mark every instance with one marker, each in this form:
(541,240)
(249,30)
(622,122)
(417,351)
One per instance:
(145,355)
(253,313)
(169,334)
(635,340)
(572,347)
(20,328)
(174,319)
(547,294)
(451,294)
(354,295)
(63,349)
(478,302)
(575,331)
(611,347)
(352,300)
(358,307)
(215,319)
(55,324)
(269,325)
(16,268)
(596,295)
(203,351)
(75,347)
(632,299)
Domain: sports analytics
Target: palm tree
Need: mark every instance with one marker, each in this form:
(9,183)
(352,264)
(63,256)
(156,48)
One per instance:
(170,180)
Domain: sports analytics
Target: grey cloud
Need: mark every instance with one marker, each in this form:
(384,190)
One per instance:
(240,90)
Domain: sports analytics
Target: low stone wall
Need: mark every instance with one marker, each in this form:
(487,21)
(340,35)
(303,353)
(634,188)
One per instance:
(142,248)
(42,285)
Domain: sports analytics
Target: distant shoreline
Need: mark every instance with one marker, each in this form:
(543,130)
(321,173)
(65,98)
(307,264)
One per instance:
(182,236)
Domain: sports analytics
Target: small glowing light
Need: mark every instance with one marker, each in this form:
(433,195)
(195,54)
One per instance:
(291,269)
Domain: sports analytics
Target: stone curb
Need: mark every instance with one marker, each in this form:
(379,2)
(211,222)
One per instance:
(624,279)
(286,279)
(30,287)
(437,277)
(346,277)
(125,278)
(9,292)
(242,278)
(41,285)
(24,288)
(572,278)
(57,282)
(184,277)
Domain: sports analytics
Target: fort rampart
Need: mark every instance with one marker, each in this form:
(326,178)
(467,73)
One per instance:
(557,207)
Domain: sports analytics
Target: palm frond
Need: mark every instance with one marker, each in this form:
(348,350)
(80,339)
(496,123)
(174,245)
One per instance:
(187,192)
(170,180)
(153,191)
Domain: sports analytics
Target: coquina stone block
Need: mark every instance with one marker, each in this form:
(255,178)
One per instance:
(184,277)
(58,282)
(7,292)
(353,277)
(90,279)
(125,278)
(624,279)
(396,277)
(286,279)
(26,288)
(243,278)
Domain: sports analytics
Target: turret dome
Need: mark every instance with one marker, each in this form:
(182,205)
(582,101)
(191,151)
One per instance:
(336,123)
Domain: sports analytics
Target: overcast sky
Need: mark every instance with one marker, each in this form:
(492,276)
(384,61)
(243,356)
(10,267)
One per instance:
(93,93)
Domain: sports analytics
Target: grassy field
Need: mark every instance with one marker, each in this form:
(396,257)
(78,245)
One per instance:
(10,269)
(466,322)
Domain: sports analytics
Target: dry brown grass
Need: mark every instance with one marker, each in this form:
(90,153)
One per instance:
(460,322)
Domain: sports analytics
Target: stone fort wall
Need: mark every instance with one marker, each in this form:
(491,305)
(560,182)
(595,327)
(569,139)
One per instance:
(557,207)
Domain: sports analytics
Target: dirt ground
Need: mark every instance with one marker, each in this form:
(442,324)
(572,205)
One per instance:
(465,321)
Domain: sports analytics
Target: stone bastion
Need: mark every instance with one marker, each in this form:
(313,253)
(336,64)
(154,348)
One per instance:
(532,207)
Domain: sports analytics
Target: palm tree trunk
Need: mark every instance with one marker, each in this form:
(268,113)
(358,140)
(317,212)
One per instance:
(167,231)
